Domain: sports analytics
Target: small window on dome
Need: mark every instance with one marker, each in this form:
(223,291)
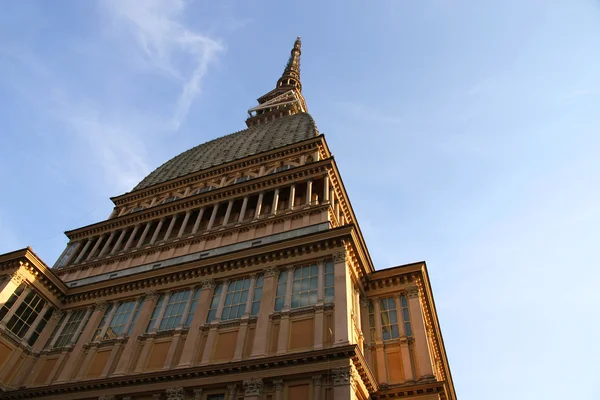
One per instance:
(280,169)
(241,179)
(169,199)
(136,209)
(205,189)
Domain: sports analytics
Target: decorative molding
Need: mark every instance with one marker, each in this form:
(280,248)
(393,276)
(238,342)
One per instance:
(253,387)
(341,376)
(209,284)
(100,306)
(339,257)
(152,295)
(232,389)
(278,385)
(197,394)
(175,393)
(317,380)
(57,315)
(156,396)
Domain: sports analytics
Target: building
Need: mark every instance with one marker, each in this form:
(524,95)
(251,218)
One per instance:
(236,270)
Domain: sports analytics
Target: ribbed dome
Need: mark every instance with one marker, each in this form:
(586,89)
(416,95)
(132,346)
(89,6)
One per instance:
(257,139)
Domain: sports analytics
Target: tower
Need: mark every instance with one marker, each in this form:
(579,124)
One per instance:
(236,270)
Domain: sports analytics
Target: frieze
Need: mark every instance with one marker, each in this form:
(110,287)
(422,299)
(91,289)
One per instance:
(209,284)
(341,376)
(278,385)
(198,394)
(339,257)
(317,380)
(412,292)
(232,389)
(270,272)
(253,387)
(175,393)
(101,306)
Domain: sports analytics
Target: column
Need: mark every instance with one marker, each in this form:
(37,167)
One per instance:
(326,188)
(144,234)
(259,347)
(278,387)
(342,389)
(35,323)
(211,222)
(184,223)
(198,220)
(157,230)
(83,251)
(170,228)
(186,310)
(121,238)
(284,324)
(292,196)
(275,202)
(190,347)
(243,211)
(341,297)
(108,242)
(308,191)
(15,306)
(87,332)
(95,248)
(228,212)
(366,330)
(253,389)
(319,311)
(317,381)
(406,360)
(259,205)
(422,356)
(130,239)
(124,365)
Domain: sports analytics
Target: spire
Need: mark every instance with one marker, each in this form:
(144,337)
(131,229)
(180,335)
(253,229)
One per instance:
(286,98)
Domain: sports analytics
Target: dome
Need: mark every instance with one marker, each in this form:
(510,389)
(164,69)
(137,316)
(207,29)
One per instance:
(254,140)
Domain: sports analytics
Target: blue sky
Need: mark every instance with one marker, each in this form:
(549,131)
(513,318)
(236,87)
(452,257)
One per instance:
(466,133)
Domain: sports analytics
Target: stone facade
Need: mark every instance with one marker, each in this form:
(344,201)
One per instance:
(243,276)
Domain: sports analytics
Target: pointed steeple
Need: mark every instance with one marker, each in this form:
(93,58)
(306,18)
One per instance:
(286,98)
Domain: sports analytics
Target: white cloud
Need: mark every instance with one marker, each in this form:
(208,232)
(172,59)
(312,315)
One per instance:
(168,45)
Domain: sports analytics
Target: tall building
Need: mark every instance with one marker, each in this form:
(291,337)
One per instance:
(236,270)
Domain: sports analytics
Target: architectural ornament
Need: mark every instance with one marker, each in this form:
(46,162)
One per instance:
(175,393)
(270,272)
(278,385)
(152,295)
(101,305)
(17,277)
(208,284)
(317,380)
(253,387)
(321,263)
(232,389)
(413,292)
(339,257)
(156,396)
(341,376)
(57,315)
(197,394)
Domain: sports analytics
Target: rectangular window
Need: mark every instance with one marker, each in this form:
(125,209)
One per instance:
(190,316)
(372,320)
(235,299)
(62,318)
(389,318)
(305,286)
(40,327)
(329,282)
(405,316)
(102,322)
(70,329)
(155,312)
(174,311)
(11,300)
(214,304)
(25,314)
(117,324)
(281,289)
(257,295)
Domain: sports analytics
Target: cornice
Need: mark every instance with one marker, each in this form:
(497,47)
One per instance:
(217,170)
(410,390)
(183,374)
(249,187)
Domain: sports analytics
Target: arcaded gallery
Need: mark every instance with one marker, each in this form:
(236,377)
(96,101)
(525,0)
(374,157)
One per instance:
(236,270)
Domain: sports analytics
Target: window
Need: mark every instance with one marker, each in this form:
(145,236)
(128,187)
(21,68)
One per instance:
(174,311)
(169,199)
(190,316)
(136,209)
(25,314)
(102,322)
(280,169)
(389,318)
(329,282)
(241,179)
(235,299)
(70,330)
(305,286)
(11,301)
(116,326)
(58,325)
(372,320)
(214,304)
(257,295)
(40,327)
(405,316)
(70,248)
(205,189)
(281,289)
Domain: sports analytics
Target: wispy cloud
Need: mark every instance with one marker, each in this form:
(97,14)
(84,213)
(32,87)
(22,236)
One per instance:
(168,45)
(366,113)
